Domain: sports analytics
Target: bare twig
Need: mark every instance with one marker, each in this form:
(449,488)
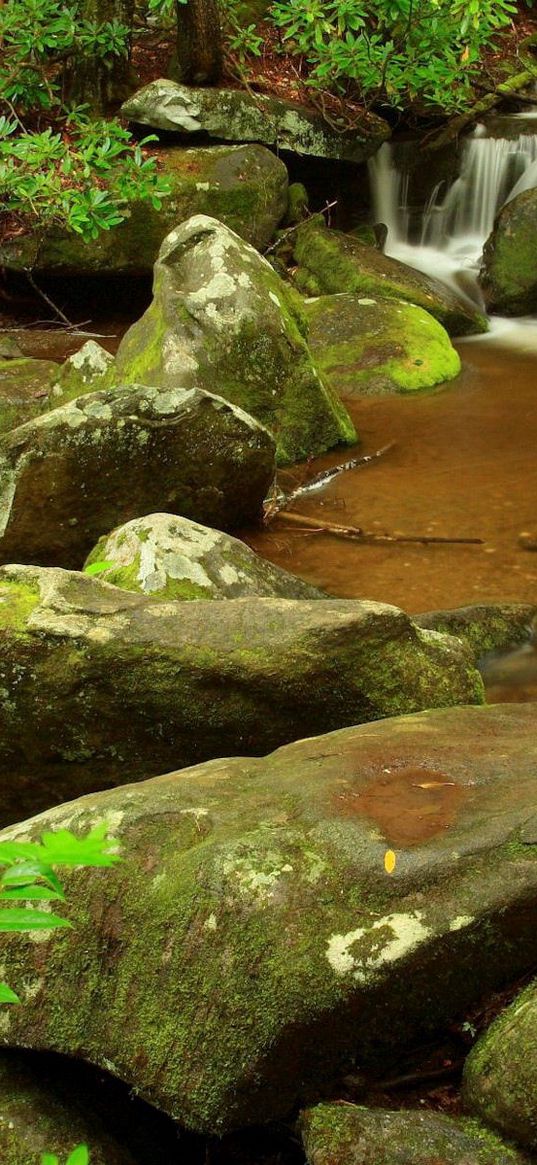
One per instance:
(39,291)
(296,227)
(356,534)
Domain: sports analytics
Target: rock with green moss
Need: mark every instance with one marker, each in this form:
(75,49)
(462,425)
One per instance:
(485,627)
(509,273)
(37,1117)
(346,1134)
(24,388)
(222,319)
(250,946)
(82,372)
(500,1072)
(192,680)
(243,186)
(374,345)
(168,557)
(235,115)
(73,474)
(330,262)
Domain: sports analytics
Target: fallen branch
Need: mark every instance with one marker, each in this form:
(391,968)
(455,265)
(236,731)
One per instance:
(356,534)
(290,230)
(39,291)
(459,123)
(280,501)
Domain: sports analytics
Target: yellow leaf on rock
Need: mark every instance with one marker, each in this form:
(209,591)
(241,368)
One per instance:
(389,861)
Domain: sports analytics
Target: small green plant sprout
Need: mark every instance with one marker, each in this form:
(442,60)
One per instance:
(97,567)
(79,1156)
(29,883)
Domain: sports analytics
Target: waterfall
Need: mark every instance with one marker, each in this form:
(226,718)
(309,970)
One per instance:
(455,223)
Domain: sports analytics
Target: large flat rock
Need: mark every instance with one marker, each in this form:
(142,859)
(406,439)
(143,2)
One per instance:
(251,944)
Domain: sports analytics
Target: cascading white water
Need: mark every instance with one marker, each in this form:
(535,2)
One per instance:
(456,222)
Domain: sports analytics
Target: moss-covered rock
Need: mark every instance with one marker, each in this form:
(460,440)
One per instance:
(24,388)
(509,272)
(243,186)
(331,262)
(84,371)
(486,626)
(500,1072)
(251,946)
(345,1134)
(234,115)
(168,557)
(223,320)
(372,345)
(37,1118)
(73,474)
(81,660)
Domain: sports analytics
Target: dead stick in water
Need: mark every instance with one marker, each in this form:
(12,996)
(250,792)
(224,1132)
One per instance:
(356,534)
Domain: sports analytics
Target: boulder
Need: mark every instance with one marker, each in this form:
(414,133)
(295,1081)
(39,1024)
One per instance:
(101,686)
(368,345)
(37,1118)
(167,557)
(500,1072)
(331,262)
(222,319)
(235,115)
(244,186)
(509,271)
(24,388)
(345,1134)
(251,946)
(84,371)
(485,627)
(73,474)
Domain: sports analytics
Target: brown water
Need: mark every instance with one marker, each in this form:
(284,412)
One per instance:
(464,465)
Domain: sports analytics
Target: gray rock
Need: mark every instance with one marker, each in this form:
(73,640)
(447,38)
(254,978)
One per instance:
(509,272)
(107,457)
(24,389)
(222,320)
(233,115)
(101,686)
(345,1134)
(485,626)
(250,946)
(82,372)
(244,186)
(167,557)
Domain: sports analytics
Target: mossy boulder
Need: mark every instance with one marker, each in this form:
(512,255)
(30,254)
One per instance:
(485,627)
(81,660)
(84,371)
(509,272)
(370,345)
(167,557)
(500,1072)
(234,115)
(250,946)
(223,320)
(24,388)
(37,1118)
(346,1134)
(73,474)
(243,186)
(330,262)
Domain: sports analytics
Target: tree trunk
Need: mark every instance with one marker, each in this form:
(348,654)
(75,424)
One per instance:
(199,42)
(101,82)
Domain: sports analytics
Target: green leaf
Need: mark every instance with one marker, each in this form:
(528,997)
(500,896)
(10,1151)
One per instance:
(25,920)
(79,1156)
(30,894)
(26,873)
(7,995)
(49,1159)
(97,567)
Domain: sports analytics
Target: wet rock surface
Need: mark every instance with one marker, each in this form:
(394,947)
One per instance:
(509,272)
(24,388)
(500,1072)
(255,893)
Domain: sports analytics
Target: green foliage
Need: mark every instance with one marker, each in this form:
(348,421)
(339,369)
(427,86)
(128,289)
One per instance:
(79,1156)
(97,567)
(393,51)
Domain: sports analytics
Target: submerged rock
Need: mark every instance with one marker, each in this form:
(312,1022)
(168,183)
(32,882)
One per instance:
(500,1072)
(509,272)
(222,319)
(331,262)
(167,557)
(250,946)
(36,1118)
(81,660)
(365,345)
(107,457)
(84,371)
(234,115)
(346,1134)
(244,186)
(24,388)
